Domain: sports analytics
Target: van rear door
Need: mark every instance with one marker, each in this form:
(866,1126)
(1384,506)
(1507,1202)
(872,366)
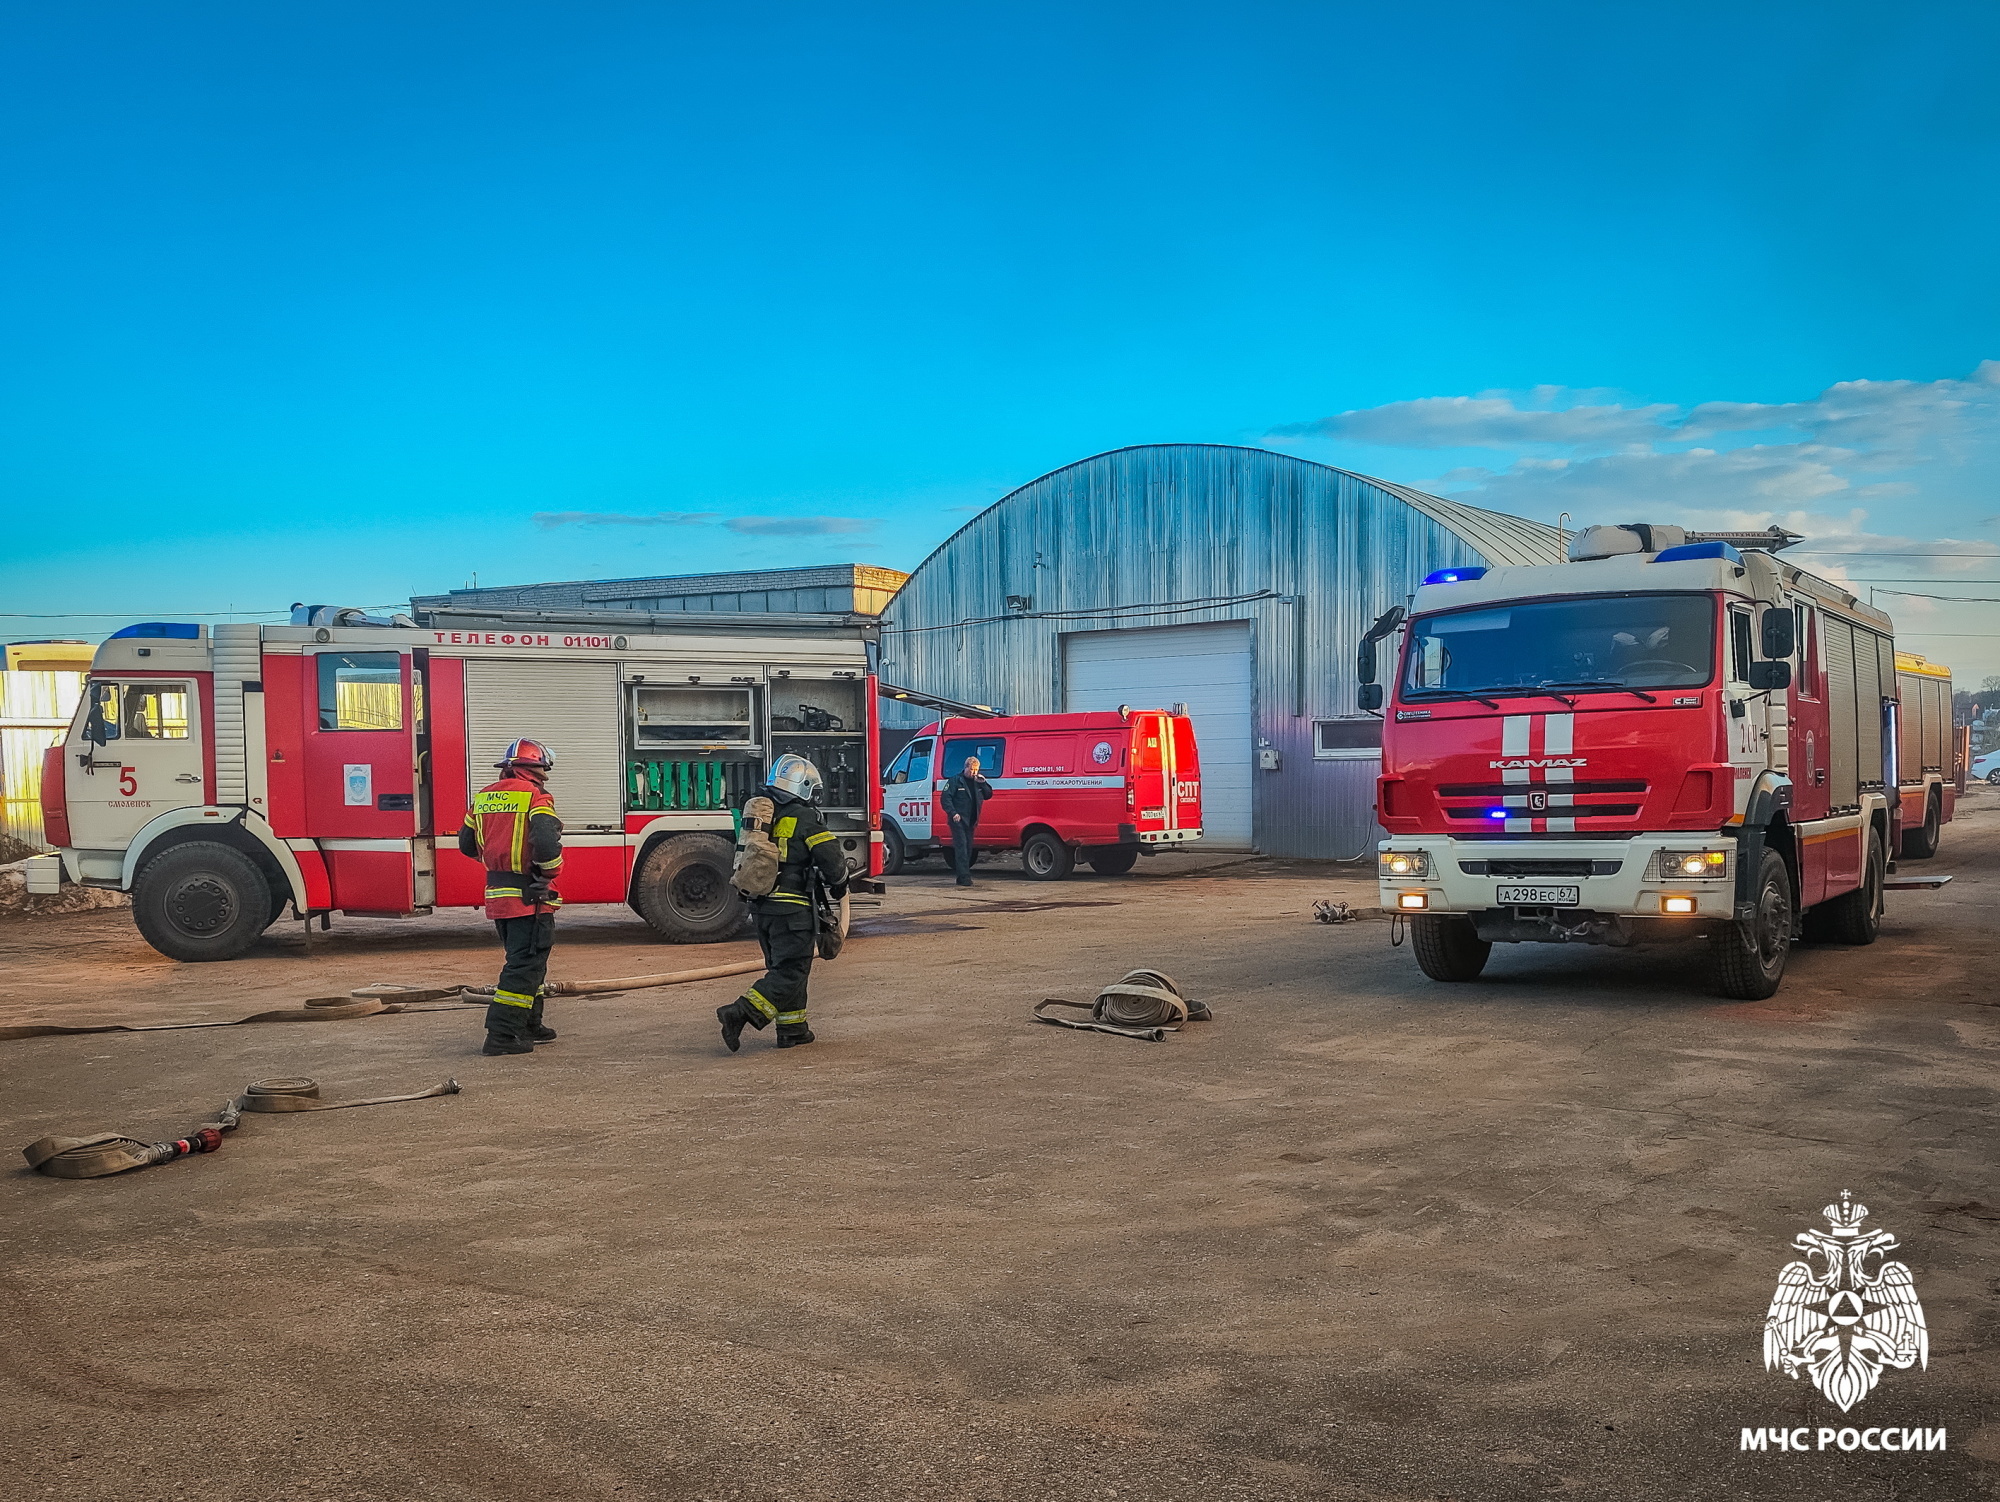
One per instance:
(1184,806)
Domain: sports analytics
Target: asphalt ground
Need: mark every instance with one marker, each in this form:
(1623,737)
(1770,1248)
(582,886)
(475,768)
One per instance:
(1362,1236)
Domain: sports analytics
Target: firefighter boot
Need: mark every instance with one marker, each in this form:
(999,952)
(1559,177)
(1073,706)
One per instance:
(793,1034)
(507,1030)
(537,1032)
(734,1018)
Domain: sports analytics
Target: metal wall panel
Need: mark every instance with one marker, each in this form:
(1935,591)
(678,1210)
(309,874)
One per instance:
(1166,524)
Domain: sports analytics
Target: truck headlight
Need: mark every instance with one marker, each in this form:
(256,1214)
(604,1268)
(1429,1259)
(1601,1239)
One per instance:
(1405,863)
(1679,865)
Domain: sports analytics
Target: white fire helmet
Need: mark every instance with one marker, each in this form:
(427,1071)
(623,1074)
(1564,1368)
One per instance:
(792,774)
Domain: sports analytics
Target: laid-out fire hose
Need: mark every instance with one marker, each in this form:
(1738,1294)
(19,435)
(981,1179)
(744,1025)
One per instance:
(1143,1004)
(107,1152)
(630,982)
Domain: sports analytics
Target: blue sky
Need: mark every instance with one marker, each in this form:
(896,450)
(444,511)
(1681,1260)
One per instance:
(334,303)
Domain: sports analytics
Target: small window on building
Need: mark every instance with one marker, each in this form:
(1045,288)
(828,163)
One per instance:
(1347,740)
(360,691)
(142,711)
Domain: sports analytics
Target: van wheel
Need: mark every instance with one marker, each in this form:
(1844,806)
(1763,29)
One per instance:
(1749,956)
(1921,843)
(894,853)
(1448,948)
(1112,860)
(683,891)
(1046,858)
(201,901)
(1856,917)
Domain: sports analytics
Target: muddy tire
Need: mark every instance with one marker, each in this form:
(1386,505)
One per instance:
(1921,843)
(1448,948)
(1112,860)
(1856,917)
(1749,956)
(201,901)
(1046,858)
(683,891)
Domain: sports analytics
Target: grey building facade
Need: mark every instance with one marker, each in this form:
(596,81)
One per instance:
(1238,581)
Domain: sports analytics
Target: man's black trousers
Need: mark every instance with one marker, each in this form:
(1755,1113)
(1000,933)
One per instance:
(961,850)
(517,1001)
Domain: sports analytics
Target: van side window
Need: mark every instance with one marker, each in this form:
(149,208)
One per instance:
(988,748)
(914,765)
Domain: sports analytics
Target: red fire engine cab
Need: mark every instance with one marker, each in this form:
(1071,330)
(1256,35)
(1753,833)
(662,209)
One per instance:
(219,774)
(1109,785)
(1663,738)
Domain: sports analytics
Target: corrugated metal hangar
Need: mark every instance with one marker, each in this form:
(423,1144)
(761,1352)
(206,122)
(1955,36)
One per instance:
(1235,580)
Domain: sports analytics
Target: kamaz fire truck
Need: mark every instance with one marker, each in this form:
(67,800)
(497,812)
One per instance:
(1663,738)
(222,774)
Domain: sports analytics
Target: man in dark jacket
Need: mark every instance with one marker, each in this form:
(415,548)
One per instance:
(963,795)
(787,921)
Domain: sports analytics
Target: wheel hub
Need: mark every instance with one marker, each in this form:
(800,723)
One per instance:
(201,905)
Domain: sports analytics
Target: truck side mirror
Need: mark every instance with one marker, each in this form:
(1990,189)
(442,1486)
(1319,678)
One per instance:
(1370,697)
(1364,660)
(1780,628)
(94,729)
(1770,675)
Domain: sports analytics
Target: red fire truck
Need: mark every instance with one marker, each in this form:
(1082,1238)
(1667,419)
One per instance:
(1663,738)
(1109,786)
(222,773)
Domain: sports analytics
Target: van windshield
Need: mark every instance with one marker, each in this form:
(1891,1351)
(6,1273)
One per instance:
(1598,642)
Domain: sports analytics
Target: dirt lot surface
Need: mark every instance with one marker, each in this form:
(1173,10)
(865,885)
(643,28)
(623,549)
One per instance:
(1362,1236)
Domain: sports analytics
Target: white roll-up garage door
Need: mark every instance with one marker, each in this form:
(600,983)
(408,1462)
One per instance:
(1205,667)
(571,705)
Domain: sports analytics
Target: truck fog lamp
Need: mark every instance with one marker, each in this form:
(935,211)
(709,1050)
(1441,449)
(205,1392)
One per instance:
(1680,906)
(1413,901)
(1405,863)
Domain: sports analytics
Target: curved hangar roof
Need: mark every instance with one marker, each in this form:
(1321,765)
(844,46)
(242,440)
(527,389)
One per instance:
(1199,499)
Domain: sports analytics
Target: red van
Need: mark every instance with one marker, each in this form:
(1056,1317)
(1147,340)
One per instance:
(1105,785)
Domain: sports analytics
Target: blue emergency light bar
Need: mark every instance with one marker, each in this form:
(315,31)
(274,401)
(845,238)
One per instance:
(1496,813)
(1454,576)
(158,630)
(1720,550)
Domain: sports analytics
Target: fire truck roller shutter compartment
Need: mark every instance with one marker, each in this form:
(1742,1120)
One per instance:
(571,705)
(1208,668)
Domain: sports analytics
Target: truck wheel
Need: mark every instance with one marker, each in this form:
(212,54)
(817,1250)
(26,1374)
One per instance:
(201,901)
(1856,917)
(1921,843)
(894,853)
(1112,860)
(1749,956)
(683,891)
(1448,948)
(1046,858)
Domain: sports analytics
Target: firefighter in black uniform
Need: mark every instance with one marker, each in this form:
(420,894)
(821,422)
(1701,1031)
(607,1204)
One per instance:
(788,920)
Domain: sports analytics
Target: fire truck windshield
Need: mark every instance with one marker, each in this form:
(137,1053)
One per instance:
(1588,644)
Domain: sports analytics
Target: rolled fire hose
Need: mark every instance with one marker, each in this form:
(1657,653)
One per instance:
(1143,1004)
(107,1152)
